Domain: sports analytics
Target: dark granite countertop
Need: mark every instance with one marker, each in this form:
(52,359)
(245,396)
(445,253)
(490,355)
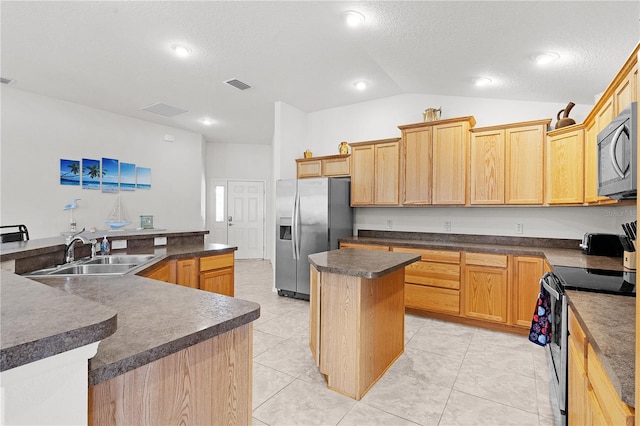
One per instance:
(155,319)
(361,263)
(38,321)
(609,323)
(554,255)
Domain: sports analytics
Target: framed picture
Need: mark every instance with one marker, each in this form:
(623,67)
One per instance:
(143,178)
(91,174)
(127,177)
(110,175)
(69,172)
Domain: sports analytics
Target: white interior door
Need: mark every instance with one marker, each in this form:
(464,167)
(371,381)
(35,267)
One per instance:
(245,220)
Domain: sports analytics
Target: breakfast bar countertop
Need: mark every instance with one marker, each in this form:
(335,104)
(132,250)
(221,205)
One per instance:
(361,263)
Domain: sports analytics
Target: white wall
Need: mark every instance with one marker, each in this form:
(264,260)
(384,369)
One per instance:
(324,130)
(241,162)
(38,131)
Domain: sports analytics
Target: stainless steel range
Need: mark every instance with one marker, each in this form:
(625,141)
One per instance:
(579,279)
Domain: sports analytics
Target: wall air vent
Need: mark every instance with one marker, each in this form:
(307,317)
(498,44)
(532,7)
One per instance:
(6,81)
(238,84)
(163,109)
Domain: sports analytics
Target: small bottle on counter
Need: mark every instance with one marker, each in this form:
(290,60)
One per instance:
(105,247)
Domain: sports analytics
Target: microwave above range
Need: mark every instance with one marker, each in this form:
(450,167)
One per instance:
(617,156)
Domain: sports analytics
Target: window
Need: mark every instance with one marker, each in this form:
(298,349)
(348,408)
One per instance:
(219,203)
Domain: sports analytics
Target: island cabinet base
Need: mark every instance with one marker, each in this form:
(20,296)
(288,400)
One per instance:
(357,328)
(207,383)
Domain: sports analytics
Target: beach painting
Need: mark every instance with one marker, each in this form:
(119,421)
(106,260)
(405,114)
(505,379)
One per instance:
(127,177)
(91,174)
(69,172)
(143,178)
(110,175)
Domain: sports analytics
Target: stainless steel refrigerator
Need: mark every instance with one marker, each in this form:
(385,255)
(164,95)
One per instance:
(311,215)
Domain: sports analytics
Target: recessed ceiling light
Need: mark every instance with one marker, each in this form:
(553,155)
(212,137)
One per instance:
(545,58)
(482,81)
(353,18)
(181,50)
(361,85)
(207,121)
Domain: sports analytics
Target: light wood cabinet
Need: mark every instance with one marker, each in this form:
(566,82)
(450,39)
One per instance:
(416,158)
(506,163)
(217,274)
(626,92)
(433,283)
(187,272)
(485,287)
(327,166)
(565,165)
(524,162)
(592,399)
(450,142)
(209,273)
(162,271)
(526,272)
(375,172)
(486,169)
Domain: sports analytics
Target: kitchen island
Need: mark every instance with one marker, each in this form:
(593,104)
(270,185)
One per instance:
(356,316)
(179,354)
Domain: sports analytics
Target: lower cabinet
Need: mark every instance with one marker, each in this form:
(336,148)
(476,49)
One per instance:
(187,272)
(485,287)
(210,273)
(433,283)
(591,398)
(216,274)
(526,272)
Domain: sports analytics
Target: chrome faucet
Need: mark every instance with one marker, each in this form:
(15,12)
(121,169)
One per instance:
(71,242)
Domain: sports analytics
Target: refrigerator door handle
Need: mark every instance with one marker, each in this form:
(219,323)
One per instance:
(296,224)
(293,227)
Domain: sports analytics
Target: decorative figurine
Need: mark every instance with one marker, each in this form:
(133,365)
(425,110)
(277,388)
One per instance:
(432,114)
(343,148)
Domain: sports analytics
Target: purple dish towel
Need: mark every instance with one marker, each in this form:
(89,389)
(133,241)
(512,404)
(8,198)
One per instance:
(540,332)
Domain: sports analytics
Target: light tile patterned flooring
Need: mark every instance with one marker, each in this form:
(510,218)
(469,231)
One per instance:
(449,374)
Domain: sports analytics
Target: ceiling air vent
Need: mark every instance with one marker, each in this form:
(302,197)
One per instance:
(163,109)
(6,81)
(238,84)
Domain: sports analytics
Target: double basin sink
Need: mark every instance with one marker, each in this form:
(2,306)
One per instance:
(99,265)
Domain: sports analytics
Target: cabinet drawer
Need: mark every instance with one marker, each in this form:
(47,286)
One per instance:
(443,256)
(432,299)
(485,259)
(364,246)
(616,411)
(214,262)
(433,274)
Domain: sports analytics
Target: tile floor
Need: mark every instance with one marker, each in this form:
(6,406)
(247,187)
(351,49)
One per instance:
(449,374)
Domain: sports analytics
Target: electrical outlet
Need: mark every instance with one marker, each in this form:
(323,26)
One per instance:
(118,244)
(389,224)
(447,226)
(519,228)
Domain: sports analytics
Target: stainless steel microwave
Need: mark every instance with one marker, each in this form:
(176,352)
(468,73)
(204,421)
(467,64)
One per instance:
(617,156)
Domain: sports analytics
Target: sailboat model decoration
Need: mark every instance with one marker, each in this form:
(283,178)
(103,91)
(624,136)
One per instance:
(117,219)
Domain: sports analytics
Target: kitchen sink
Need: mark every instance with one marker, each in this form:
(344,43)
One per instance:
(84,269)
(99,265)
(127,259)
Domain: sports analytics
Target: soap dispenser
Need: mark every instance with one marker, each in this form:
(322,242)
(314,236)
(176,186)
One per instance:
(105,247)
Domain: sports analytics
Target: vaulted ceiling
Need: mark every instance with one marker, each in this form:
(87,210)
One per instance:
(116,56)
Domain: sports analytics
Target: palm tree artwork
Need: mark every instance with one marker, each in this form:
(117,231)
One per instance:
(91,174)
(69,172)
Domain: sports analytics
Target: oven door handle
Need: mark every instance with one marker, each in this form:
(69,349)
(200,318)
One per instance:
(552,291)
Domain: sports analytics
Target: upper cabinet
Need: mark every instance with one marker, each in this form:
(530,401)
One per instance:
(565,165)
(434,159)
(506,163)
(327,166)
(375,172)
